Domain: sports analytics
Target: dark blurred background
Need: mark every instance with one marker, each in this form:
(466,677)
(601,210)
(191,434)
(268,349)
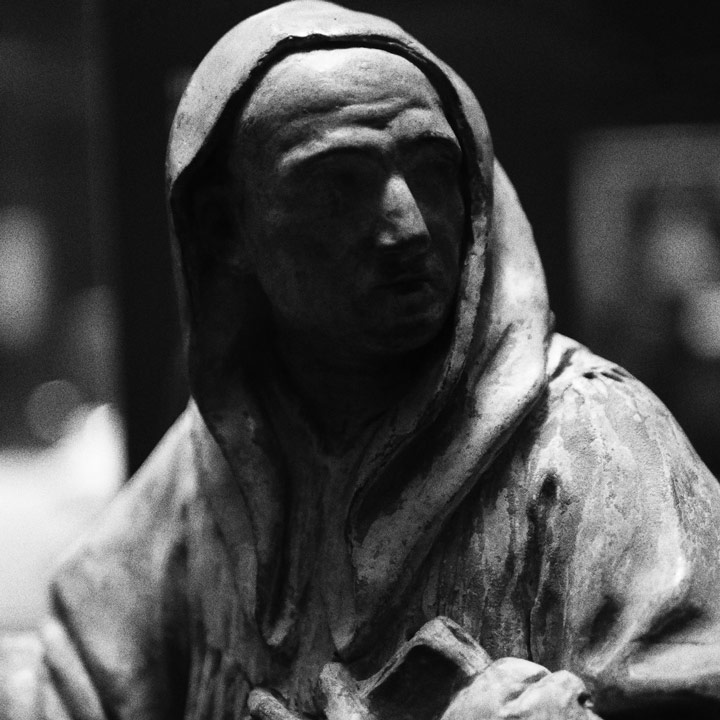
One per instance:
(605,114)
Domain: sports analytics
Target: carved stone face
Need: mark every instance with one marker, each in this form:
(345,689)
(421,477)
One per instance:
(349,200)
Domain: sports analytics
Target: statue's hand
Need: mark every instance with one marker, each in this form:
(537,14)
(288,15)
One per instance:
(511,689)
(521,690)
(420,681)
(263,705)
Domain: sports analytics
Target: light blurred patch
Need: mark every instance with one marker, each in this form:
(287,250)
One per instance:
(48,498)
(700,321)
(25,277)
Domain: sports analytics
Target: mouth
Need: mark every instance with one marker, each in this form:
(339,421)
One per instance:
(408,285)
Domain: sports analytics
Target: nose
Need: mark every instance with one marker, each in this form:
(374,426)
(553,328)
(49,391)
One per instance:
(402,224)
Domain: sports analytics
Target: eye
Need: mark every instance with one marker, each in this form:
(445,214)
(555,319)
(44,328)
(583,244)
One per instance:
(433,171)
(436,160)
(341,184)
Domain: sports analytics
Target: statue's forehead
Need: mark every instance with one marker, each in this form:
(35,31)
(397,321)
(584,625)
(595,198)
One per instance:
(322,81)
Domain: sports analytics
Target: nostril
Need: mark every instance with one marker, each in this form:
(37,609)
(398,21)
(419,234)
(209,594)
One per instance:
(386,240)
(396,241)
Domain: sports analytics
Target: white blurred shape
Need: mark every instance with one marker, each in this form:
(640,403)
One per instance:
(48,498)
(25,277)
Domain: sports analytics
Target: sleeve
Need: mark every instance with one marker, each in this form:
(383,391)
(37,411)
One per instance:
(627,524)
(115,642)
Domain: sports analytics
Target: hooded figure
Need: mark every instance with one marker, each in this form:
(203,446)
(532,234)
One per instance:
(515,483)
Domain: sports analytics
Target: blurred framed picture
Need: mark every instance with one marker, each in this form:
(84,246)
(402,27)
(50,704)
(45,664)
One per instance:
(645,216)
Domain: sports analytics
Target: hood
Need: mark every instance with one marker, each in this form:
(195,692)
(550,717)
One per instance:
(433,448)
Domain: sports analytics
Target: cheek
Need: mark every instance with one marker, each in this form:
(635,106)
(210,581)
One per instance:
(302,275)
(446,223)
(327,252)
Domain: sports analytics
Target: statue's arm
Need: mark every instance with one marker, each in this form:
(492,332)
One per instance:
(627,522)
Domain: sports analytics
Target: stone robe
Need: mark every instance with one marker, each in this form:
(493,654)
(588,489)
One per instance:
(590,544)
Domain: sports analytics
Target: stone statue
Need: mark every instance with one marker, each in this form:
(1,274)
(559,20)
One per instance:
(395,492)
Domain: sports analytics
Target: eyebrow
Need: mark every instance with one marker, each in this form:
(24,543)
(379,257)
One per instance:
(430,138)
(307,157)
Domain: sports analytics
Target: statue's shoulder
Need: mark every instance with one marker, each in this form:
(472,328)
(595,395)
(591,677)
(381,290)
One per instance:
(596,419)
(578,377)
(569,362)
(119,597)
(147,520)
(592,407)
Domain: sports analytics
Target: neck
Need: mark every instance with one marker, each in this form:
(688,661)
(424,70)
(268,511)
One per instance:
(345,395)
